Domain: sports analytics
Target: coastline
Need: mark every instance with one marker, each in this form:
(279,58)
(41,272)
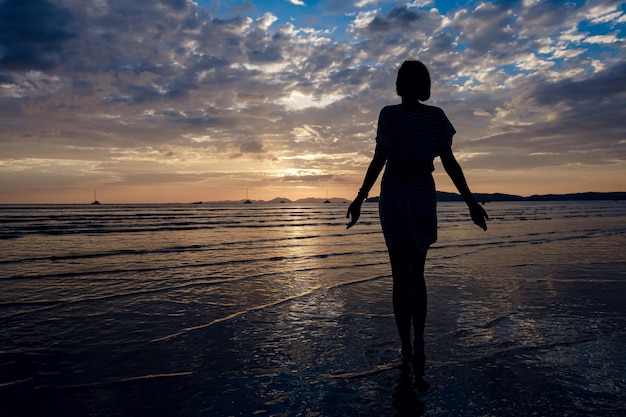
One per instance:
(442,196)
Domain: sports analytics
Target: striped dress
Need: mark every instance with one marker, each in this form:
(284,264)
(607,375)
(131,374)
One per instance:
(408,200)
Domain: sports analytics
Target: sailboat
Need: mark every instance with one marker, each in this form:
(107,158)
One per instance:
(246,201)
(95,200)
(327,200)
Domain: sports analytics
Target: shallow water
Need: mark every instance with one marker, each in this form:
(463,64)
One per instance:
(277,310)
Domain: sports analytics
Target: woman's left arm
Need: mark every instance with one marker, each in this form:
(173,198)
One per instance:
(453,168)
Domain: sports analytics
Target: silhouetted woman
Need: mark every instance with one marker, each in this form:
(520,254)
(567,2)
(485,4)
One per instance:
(410,135)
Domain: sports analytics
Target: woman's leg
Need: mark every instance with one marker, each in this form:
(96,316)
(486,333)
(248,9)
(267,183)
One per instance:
(409,297)
(418,314)
(401,272)
(419,302)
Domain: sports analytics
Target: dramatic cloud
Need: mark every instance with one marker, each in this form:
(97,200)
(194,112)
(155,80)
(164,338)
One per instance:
(33,34)
(188,100)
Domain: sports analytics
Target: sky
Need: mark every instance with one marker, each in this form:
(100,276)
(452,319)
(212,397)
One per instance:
(154,101)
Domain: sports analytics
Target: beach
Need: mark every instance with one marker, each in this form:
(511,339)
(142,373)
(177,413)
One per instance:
(278,310)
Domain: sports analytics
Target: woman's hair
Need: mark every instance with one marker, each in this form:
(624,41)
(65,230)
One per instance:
(413,82)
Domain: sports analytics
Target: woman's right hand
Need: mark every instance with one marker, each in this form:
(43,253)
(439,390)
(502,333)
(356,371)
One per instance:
(354,210)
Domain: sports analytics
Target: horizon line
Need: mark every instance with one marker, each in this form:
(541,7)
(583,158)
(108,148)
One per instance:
(482,197)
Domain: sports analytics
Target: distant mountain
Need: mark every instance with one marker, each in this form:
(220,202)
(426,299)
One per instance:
(444,196)
(481,197)
(280,200)
(589,196)
(314,200)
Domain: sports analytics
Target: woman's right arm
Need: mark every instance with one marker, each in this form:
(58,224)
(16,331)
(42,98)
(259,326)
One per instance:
(374,169)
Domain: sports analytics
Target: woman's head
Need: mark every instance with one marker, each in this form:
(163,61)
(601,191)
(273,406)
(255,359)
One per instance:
(413,82)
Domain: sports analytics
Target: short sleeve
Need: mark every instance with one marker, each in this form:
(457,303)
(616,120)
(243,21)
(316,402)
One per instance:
(383,134)
(447,131)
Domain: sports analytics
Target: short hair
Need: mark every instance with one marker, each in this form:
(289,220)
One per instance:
(413,81)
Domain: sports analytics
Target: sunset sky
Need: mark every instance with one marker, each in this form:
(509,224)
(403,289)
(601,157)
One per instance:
(153,101)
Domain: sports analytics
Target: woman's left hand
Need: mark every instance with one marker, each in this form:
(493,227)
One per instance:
(355,211)
(479,215)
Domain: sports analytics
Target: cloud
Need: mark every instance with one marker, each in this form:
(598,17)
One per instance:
(33,34)
(572,122)
(400,18)
(608,86)
(253,146)
(527,84)
(611,38)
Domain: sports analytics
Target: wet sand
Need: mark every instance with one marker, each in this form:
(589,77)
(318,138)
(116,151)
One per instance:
(526,321)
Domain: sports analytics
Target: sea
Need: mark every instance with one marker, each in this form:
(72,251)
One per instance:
(278,310)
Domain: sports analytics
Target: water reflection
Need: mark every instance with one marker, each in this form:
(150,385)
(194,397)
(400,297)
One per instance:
(406,398)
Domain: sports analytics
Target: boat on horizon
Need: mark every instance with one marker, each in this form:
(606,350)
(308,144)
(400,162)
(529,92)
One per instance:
(246,201)
(95,200)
